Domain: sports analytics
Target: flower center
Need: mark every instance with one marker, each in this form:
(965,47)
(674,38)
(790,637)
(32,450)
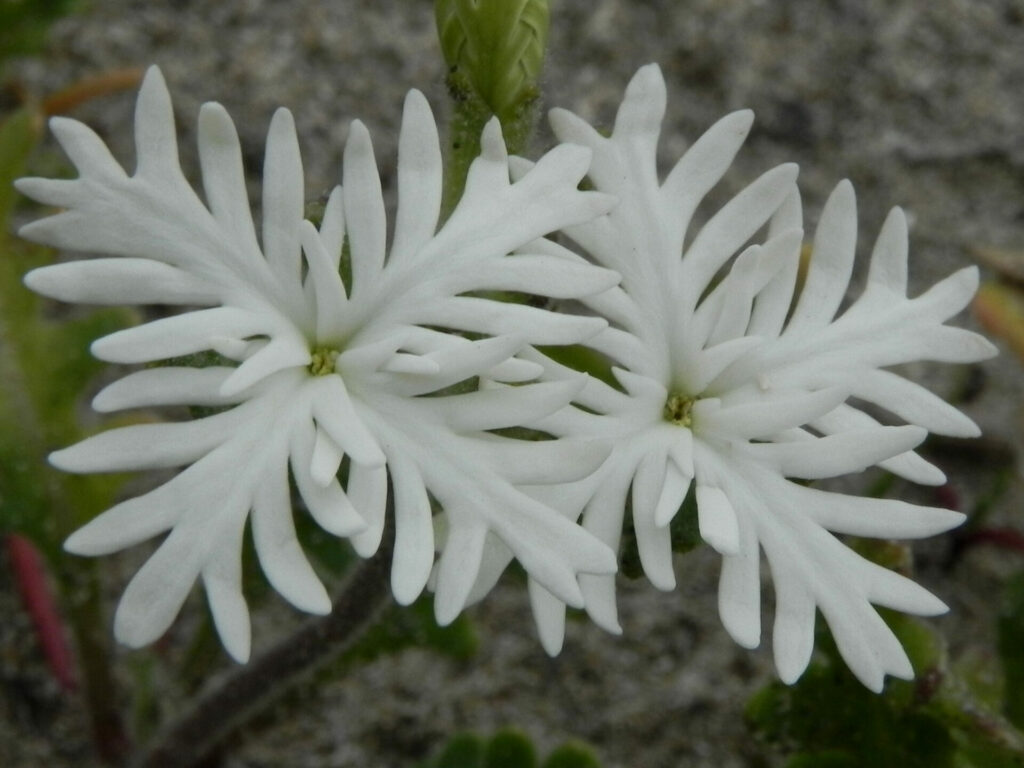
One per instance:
(323,361)
(679,409)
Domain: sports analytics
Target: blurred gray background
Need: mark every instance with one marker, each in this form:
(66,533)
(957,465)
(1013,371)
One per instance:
(920,104)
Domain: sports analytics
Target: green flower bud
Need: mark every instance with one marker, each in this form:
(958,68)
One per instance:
(494,49)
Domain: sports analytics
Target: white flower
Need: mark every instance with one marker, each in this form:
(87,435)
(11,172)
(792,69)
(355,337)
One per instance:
(323,371)
(723,388)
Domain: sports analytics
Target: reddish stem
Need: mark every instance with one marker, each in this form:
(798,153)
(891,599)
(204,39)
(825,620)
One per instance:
(34,588)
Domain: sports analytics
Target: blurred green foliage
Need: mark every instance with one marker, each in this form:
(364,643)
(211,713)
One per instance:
(1011,649)
(45,367)
(509,748)
(828,719)
(23,24)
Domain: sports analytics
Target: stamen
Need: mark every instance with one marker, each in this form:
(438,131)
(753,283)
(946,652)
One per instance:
(323,361)
(679,409)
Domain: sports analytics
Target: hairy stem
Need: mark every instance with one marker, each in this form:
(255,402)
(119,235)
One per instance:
(251,689)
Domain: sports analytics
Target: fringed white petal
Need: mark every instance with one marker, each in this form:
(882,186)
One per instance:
(549,615)
(419,179)
(337,416)
(120,281)
(283,199)
(793,630)
(278,549)
(222,579)
(913,403)
(888,267)
(499,319)
(220,157)
(458,566)
(86,151)
(739,592)
(719,526)
(157,591)
(835,243)
(368,491)
(156,145)
(414,531)
(146,446)
(332,228)
(364,208)
(328,504)
(700,169)
(176,336)
(171,385)
(541,275)
(281,353)
(732,225)
(839,454)
(654,543)
(673,493)
(505,407)
(130,522)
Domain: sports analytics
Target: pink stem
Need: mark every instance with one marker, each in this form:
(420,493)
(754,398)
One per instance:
(30,577)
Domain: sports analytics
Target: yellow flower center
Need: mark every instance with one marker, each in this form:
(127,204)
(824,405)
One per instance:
(679,409)
(323,361)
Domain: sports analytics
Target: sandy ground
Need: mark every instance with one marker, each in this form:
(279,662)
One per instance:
(919,104)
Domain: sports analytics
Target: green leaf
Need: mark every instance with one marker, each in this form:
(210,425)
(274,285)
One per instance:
(573,754)
(465,750)
(23,23)
(510,748)
(933,721)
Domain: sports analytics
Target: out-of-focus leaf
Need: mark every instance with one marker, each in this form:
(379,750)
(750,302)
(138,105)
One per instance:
(572,754)
(509,748)
(1000,309)
(823,760)
(1011,649)
(23,23)
(466,750)
(584,359)
(829,719)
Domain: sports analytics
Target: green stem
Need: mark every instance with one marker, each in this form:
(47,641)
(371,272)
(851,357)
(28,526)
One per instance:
(251,689)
